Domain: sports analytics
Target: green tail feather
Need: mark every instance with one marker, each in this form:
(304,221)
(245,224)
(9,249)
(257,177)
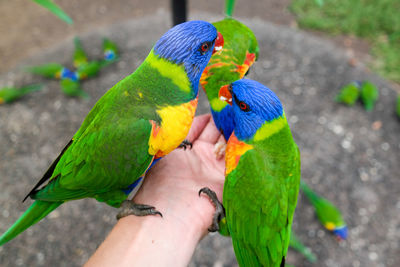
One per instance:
(310,194)
(37,211)
(31,88)
(297,245)
(229,7)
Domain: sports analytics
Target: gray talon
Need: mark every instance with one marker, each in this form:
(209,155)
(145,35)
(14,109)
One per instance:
(128,207)
(185,143)
(219,208)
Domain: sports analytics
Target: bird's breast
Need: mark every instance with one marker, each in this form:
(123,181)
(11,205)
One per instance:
(174,127)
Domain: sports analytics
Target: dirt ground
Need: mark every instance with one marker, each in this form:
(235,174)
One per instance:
(349,155)
(28,28)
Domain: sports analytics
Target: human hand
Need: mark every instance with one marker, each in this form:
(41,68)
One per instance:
(172,187)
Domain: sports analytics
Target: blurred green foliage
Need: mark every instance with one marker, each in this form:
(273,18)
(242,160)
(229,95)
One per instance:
(376,20)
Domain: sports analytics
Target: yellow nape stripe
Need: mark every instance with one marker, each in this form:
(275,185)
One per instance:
(171,70)
(217,104)
(270,127)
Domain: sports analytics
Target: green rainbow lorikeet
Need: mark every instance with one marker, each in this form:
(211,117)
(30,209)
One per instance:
(349,94)
(262,172)
(297,245)
(327,213)
(398,106)
(231,64)
(110,50)
(369,95)
(140,119)
(72,88)
(80,57)
(11,94)
(90,69)
(52,71)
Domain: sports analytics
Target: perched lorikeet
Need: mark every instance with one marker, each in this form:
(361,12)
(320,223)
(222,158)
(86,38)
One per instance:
(297,245)
(110,50)
(143,117)
(239,53)
(80,57)
(349,94)
(72,88)
(327,213)
(262,176)
(398,106)
(53,70)
(369,95)
(89,69)
(11,94)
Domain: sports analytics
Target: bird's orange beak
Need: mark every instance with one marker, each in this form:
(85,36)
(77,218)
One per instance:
(219,43)
(225,94)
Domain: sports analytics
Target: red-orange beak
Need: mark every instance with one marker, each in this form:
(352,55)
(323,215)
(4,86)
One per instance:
(225,94)
(219,43)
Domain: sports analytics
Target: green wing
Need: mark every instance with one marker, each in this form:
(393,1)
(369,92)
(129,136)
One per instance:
(260,197)
(108,153)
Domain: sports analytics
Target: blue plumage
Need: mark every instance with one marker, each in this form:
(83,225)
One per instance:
(184,47)
(224,121)
(253,94)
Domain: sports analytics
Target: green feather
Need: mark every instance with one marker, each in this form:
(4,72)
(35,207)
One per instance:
(55,9)
(229,7)
(37,211)
(72,88)
(297,245)
(80,57)
(398,106)
(348,94)
(49,70)
(238,41)
(11,94)
(111,148)
(260,196)
(369,95)
(327,213)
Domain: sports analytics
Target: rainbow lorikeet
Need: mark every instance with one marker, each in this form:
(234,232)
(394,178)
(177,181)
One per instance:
(11,94)
(398,106)
(90,69)
(110,50)
(52,71)
(80,58)
(262,176)
(72,88)
(141,118)
(327,213)
(349,94)
(239,53)
(369,95)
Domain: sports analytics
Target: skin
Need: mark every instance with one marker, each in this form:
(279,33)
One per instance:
(152,240)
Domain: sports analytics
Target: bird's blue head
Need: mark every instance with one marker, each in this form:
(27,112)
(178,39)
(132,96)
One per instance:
(191,44)
(253,104)
(340,232)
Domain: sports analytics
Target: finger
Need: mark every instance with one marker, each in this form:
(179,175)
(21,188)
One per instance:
(210,133)
(198,125)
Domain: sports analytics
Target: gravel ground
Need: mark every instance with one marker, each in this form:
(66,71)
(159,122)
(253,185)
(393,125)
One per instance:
(349,155)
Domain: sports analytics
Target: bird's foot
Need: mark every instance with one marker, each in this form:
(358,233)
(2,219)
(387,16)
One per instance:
(219,208)
(128,207)
(185,144)
(219,149)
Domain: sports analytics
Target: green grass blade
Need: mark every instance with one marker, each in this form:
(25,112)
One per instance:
(55,9)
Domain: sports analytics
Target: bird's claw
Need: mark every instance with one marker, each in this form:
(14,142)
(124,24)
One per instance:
(219,208)
(185,144)
(128,207)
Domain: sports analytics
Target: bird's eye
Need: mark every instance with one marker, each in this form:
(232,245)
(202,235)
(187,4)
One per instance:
(243,106)
(204,47)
